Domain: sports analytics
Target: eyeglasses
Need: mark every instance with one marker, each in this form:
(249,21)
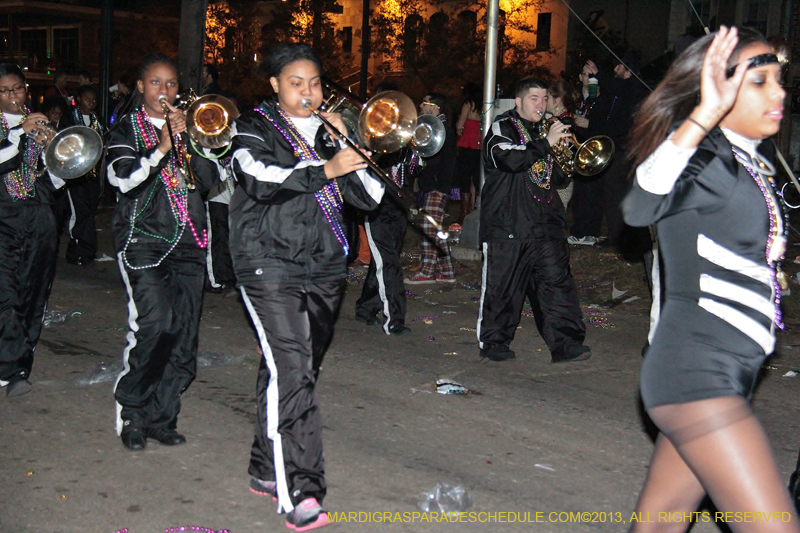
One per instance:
(16,90)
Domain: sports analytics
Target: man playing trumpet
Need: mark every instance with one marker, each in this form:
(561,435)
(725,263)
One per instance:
(523,231)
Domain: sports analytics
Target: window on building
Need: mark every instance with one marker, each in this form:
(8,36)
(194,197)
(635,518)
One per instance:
(755,15)
(543,31)
(65,47)
(5,41)
(33,41)
(347,39)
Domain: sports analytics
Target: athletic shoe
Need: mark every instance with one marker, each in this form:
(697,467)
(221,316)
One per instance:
(418,279)
(18,387)
(399,329)
(264,488)
(307,515)
(573,353)
(586,241)
(368,320)
(498,352)
(442,279)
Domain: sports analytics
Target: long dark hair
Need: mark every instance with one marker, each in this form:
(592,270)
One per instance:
(472,95)
(564,90)
(677,95)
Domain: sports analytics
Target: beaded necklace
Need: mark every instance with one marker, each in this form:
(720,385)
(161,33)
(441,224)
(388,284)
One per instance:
(776,241)
(146,138)
(329,198)
(20,182)
(542,170)
(586,107)
(93,122)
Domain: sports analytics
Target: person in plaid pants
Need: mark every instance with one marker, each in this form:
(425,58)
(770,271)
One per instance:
(435,179)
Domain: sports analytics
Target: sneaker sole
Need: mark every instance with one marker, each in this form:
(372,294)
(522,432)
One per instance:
(321,521)
(446,280)
(410,282)
(264,493)
(15,390)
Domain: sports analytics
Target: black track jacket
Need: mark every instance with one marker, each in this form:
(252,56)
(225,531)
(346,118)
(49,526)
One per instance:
(279,234)
(135,174)
(509,210)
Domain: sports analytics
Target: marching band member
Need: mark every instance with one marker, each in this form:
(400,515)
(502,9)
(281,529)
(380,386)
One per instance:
(27,231)
(83,193)
(289,253)
(523,230)
(160,239)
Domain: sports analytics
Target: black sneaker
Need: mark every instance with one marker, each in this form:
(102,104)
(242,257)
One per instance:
(133,439)
(368,320)
(399,329)
(572,354)
(18,386)
(499,352)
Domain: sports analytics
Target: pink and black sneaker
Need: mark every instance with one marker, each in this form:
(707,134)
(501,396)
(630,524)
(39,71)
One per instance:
(307,515)
(264,488)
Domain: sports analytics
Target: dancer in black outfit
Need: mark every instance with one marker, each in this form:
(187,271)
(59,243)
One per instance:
(722,233)
(27,232)
(83,193)
(523,231)
(289,253)
(160,238)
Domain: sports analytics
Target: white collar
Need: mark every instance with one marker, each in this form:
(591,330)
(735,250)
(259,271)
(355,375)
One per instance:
(748,145)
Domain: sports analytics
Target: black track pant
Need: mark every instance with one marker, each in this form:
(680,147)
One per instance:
(220,266)
(587,206)
(27,266)
(539,270)
(83,195)
(383,287)
(160,360)
(294,325)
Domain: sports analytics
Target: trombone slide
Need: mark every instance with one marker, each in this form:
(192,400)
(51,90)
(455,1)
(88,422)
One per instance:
(416,214)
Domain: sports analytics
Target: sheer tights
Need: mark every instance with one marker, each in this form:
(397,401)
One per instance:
(717,447)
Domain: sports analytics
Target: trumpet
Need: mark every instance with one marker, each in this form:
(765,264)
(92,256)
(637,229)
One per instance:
(186,177)
(70,153)
(590,157)
(385,118)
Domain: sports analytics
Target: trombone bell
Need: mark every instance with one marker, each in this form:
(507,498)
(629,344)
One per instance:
(387,122)
(208,121)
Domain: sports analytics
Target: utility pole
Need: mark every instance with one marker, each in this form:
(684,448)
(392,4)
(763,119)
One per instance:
(190,48)
(362,86)
(106,44)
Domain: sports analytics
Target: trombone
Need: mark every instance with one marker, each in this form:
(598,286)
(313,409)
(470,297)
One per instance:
(388,120)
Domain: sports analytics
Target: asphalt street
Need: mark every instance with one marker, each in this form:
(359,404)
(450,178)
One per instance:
(530,437)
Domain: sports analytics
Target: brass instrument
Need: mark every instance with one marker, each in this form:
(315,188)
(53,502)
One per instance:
(588,159)
(427,136)
(71,153)
(386,123)
(209,119)
(186,177)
